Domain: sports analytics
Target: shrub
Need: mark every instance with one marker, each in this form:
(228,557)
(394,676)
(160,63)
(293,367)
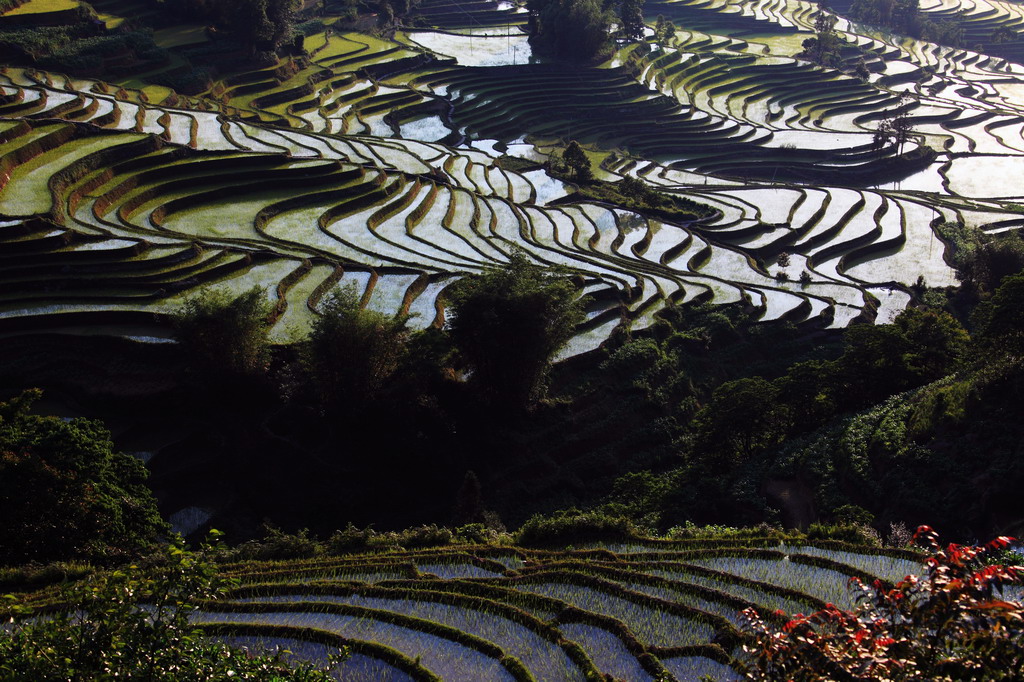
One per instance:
(691,531)
(66,493)
(854,533)
(573,526)
(224,335)
(352,353)
(311,27)
(423,536)
(507,324)
(351,539)
(481,533)
(276,546)
(899,535)
(574,30)
(1000,321)
(35,577)
(852,514)
(133,624)
(948,624)
(187,80)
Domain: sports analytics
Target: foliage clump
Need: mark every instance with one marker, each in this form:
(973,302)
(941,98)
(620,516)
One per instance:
(260,25)
(133,624)
(906,17)
(951,623)
(1000,321)
(77,49)
(576,164)
(635,195)
(824,49)
(66,493)
(982,261)
(353,352)
(572,30)
(573,526)
(631,19)
(226,336)
(664,32)
(508,323)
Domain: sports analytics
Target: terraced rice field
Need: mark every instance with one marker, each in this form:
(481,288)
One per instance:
(643,611)
(376,161)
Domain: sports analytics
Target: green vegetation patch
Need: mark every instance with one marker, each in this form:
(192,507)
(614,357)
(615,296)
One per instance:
(635,195)
(42,6)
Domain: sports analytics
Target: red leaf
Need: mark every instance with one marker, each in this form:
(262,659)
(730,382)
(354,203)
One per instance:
(1000,542)
(998,604)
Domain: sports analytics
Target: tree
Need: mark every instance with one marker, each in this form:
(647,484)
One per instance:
(809,392)
(260,25)
(508,322)
(385,14)
(351,353)
(902,16)
(742,418)
(951,623)
(573,30)
(824,48)
(945,32)
(896,128)
(983,260)
(577,162)
(880,360)
(631,19)
(635,189)
(936,339)
(65,493)
(281,16)
(225,336)
(861,69)
(388,11)
(133,624)
(1003,34)
(664,32)
(1001,320)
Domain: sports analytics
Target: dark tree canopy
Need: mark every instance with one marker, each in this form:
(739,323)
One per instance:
(224,335)
(880,360)
(664,31)
(905,16)
(577,163)
(469,506)
(902,16)
(824,48)
(573,30)
(744,417)
(983,261)
(353,352)
(261,25)
(631,19)
(65,493)
(508,323)
(1001,320)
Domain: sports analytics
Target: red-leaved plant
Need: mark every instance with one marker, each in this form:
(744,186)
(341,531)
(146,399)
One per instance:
(951,623)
